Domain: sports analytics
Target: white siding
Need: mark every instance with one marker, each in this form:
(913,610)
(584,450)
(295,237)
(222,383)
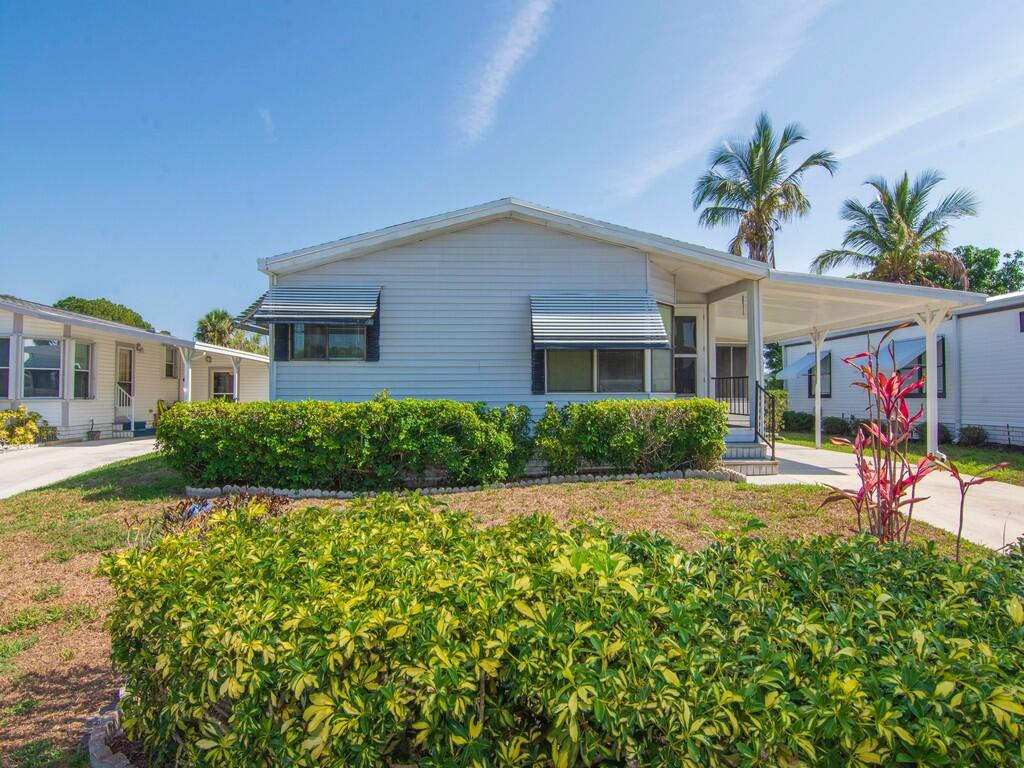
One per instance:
(992,347)
(661,284)
(455,312)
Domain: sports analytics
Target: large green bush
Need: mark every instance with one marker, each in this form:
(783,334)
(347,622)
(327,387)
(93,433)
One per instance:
(399,633)
(20,426)
(636,435)
(352,446)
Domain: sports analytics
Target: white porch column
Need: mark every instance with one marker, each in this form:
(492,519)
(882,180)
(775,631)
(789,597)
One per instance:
(817,338)
(186,374)
(236,366)
(712,352)
(755,347)
(929,322)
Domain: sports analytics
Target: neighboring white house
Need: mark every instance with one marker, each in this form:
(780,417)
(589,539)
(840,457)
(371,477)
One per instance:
(512,302)
(980,368)
(96,378)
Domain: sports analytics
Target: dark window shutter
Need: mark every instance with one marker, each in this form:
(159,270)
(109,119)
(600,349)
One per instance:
(538,371)
(281,333)
(373,339)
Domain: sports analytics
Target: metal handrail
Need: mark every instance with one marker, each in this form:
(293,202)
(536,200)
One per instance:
(764,424)
(734,392)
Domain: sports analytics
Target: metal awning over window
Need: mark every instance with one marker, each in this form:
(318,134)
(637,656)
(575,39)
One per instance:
(597,321)
(289,304)
(801,366)
(905,353)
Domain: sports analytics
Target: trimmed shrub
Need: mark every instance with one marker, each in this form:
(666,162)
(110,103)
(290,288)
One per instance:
(353,446)
(20,426)
(634,435)
(399,633)
(971,436)
(835,425)
(798,421)
(920,433)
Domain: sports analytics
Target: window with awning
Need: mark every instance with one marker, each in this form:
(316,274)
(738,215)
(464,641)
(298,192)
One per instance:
(318,323)
(596,342)
(908,354)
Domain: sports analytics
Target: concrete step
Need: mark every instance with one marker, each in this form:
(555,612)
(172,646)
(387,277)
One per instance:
(747,450)
(752,467)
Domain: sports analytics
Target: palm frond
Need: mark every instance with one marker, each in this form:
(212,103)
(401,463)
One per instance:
(826,261)
(949,264)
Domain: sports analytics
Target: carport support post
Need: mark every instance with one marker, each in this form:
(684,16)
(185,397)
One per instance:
(236,364)
(930,321)
(186,374)
(818,338)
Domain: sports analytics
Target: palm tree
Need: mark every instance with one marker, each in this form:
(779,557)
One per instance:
(751,186)
(215,327)
(895,237)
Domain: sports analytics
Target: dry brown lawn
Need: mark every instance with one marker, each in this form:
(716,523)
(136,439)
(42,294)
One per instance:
(54,668)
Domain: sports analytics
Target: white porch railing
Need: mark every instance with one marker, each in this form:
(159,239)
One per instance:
(125,399)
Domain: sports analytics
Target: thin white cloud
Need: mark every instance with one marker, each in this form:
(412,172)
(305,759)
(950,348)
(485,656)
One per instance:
(267,120)
(512,50)
(909,115)
(731,89)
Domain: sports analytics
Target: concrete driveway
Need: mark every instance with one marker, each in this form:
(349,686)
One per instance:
(993,516)
(35,467)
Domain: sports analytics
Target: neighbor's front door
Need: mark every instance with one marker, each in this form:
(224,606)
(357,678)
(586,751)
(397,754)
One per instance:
(126,369)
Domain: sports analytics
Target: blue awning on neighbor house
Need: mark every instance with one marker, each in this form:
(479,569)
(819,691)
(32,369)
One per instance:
(801,366)
(292,304)
(597,321)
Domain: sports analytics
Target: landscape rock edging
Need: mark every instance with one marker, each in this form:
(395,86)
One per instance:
(315,493)
(104,726)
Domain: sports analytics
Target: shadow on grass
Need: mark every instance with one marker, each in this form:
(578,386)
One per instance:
(143,478)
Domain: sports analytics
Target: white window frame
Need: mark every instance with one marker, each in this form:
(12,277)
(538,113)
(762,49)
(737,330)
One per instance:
(231,393)
(173,351)
(91,369)
(25,369)
(5,371)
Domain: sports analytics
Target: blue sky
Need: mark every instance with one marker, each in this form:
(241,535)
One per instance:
(151,152)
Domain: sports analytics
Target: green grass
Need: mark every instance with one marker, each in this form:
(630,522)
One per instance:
(89,512)
(46,593)
(23,707)
(10,648)
(45,753)
(969,460)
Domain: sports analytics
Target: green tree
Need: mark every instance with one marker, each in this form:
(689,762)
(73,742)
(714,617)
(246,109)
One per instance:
(772,364)
(217,327)
(896,238)
(104,309)
(988,270)
(751,187)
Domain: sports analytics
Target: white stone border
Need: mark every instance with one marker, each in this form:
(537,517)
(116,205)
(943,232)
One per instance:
(104,726)
(314,493)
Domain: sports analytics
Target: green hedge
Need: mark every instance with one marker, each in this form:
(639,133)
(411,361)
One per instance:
(351,446)
(636,435)
(399,633)
(777,415)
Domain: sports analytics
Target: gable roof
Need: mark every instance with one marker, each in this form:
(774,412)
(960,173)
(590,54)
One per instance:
(507,208)
(66,317)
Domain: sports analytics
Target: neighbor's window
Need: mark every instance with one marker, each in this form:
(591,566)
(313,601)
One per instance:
(661,359)
(170,362)
(42,368)
(83,370)
(826,377)
(223,385)
(323,342)
(620,370)
(919,363)
(570,370)
(5,369)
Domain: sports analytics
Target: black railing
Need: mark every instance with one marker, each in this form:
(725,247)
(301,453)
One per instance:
(764,425)
(735,393)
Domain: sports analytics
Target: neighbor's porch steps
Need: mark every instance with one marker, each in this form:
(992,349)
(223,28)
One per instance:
(748,456)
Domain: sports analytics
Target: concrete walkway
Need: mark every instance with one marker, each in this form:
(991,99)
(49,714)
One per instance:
(993,515)
(35,467)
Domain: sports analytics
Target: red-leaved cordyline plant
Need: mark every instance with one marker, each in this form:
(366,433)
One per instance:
(888,478)
(966,485)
